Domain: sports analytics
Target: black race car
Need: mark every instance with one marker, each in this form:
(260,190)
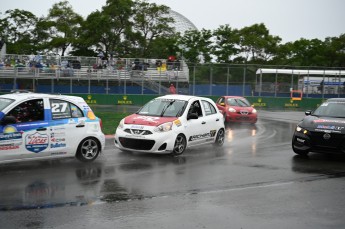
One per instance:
(322,130)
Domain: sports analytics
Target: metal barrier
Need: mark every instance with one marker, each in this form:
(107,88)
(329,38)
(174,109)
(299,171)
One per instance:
(153,76)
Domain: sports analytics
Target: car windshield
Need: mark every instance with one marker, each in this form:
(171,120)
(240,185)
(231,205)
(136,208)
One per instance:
(331,109)
(238,102)
(163,108)
(4,102)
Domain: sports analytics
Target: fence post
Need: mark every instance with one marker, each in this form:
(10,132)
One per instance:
(227,80)
(244,79)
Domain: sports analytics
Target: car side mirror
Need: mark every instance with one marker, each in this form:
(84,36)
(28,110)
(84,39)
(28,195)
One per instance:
(192,116)
(8,120)
(307,113)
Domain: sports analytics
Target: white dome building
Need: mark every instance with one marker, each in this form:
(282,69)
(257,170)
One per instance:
(182,24)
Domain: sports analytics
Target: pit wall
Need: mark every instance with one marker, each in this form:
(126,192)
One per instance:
(258,102)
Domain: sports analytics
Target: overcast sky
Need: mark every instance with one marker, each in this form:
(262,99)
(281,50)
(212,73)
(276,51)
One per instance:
(288,19)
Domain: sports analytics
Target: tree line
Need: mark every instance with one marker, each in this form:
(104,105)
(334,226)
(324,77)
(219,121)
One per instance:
(138,29)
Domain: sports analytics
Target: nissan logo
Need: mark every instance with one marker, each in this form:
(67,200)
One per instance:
(326,136)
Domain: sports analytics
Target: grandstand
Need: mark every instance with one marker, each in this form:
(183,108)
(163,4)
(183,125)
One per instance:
(153,74)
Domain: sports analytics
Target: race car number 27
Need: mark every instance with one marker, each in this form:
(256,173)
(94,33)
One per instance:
(59,107)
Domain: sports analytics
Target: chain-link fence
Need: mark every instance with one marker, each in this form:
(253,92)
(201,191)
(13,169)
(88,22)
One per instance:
(55,74)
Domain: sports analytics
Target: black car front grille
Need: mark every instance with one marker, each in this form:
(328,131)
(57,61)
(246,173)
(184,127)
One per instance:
(138,132)
(336,142)
(137,144)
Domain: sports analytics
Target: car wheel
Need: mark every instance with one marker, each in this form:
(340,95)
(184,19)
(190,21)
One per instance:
(88,150)
(180,145)
(220,137)
(300,152)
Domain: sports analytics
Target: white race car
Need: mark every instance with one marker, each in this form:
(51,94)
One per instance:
(43,126)
(170,124)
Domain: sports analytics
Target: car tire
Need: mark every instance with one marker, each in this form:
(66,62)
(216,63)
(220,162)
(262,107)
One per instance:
(300,152)
(88,150)
(180,145)
(220,138)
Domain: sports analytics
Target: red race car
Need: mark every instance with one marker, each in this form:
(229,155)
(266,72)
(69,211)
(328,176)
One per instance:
(236,109)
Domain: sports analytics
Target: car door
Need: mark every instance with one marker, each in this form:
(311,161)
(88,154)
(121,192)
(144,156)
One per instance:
(197,130)
(67,126)
(25,134)
(213,119)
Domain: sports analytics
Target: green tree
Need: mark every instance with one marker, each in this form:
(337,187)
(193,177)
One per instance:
(17,30)
(257,45)
(65,24)
(151,21)
(196,46)
(226,44)
(335,51)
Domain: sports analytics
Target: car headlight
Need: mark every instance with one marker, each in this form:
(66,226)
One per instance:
(254,111)
(232,109)
(301,130)
(121,124)
(164,127)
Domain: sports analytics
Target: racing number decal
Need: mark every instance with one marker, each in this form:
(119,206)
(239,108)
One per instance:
(59,107)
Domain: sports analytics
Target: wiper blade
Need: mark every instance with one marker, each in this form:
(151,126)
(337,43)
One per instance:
(166,107)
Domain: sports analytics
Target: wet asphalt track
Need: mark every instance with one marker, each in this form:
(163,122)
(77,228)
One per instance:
(253,181)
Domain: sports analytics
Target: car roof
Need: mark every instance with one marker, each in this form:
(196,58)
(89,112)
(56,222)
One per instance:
(181,97)
(233,97)
(32,95)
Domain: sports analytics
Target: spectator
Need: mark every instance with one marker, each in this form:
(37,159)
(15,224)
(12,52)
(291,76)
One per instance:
(172,89)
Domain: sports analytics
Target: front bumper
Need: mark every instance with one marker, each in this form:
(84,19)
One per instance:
(315,142)
(237,117)
(157,142)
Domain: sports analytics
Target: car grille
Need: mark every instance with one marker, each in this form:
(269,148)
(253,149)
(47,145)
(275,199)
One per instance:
(243,112)
(138,132)
(137,144)
(335,143)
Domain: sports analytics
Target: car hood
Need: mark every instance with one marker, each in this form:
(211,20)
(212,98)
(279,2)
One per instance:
(324,124)
(148,120)
(249,109)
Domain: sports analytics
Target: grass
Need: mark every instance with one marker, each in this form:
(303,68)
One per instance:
(111,116)
(110,120)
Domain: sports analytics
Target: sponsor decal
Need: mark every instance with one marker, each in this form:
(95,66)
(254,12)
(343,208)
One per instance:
(291,105)
(124,101)
(177,122)
(147,118)
(89,100)
(57,139)
(58,153)
(9,129)
(57,145)
(14,138)
(57,134)
(330,121)
(325,127)
(36,142)
(259,103)
(57,128)
(137,127)
(212,133)
(9,147)
(91,115)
